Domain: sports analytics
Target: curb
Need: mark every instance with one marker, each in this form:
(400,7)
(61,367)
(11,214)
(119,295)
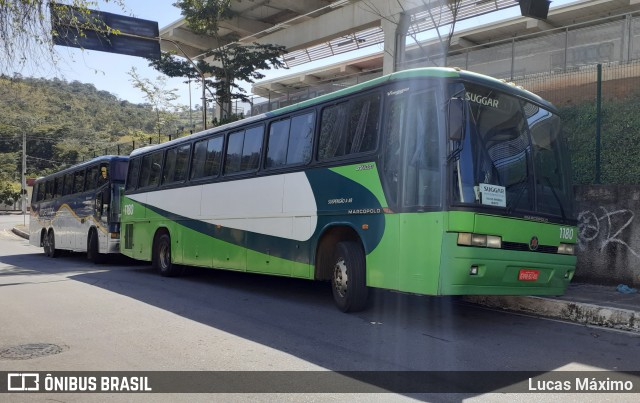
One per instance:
(20,233)
(579,312)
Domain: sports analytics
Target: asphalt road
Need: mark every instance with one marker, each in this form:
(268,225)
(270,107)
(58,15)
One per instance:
(123,316)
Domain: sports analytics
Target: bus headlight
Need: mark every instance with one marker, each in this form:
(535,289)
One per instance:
(478,240)
(494,242)
(566,249)
(489,241)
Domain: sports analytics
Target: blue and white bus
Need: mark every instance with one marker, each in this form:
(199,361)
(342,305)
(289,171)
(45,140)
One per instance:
(78,208)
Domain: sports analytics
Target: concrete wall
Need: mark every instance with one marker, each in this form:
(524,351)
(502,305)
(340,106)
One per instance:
(608,234)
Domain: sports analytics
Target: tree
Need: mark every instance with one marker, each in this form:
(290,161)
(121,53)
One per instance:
(9,192)
(26,33)
(159,97)
(232,63)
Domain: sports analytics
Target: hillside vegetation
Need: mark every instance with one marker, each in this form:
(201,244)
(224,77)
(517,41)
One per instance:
(64,122)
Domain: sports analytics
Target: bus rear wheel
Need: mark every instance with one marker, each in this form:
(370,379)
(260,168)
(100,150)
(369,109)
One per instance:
(348,281)
(93,250)
(50,245)
(161,259)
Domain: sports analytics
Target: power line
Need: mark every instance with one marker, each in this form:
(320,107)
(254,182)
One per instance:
(47,160)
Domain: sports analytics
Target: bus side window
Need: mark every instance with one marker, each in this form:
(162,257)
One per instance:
(278,140)
(301,139)
(79,182)
(207,158)
(182,163)
(133,174)
(68,184)
(40,195)
(332,131)
(59,187)
(233,157)
(42,191)
(151,170)
(360,117)
(364,114)
(214,156)
(243,150)
(92,178)
(291,141)
(251,148)
(169,169)
(48,189)
(176,164)
(199,159)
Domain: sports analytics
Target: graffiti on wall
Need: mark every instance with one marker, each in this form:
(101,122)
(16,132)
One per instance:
(602,227)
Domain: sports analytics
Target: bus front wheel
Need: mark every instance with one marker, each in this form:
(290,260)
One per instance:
(162,256)
(50,245)
(348,281)
(93,250)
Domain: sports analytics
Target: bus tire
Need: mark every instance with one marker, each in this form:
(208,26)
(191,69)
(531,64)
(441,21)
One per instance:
(93,250)
(161,259)
(348,281)
(44,242)
(50,245)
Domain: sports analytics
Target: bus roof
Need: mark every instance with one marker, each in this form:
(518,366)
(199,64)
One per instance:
(85,164)
(424,72)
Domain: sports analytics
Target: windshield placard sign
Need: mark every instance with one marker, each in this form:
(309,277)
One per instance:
(493,195)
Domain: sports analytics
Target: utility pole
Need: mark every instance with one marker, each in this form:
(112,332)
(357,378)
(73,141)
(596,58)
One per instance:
(202,77)
(23,190)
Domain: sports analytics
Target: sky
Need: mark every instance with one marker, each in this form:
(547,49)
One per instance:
(108,71)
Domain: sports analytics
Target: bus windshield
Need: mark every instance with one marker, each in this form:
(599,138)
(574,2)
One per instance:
(119,171)
(511,156)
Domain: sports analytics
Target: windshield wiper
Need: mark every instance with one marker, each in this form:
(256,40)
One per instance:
(515,201)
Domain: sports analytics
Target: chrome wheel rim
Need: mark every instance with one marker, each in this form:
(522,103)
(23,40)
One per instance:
(340,278)
(165,256)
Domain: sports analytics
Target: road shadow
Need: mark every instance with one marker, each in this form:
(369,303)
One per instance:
(398,332)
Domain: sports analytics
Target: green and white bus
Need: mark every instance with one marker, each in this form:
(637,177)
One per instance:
(432,181)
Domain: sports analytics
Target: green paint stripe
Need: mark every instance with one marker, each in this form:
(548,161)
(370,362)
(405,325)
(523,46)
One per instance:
(367,175)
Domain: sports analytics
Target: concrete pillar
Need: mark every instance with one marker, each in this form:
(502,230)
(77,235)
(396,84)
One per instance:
(627,37)
(395,33)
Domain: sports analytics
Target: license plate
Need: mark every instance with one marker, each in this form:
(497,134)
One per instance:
(528,275)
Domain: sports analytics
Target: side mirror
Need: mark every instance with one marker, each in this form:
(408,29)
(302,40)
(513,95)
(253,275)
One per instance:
(99,205)
(456,119)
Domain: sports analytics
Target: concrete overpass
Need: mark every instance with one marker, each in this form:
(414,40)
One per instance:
(314,29)
(560,30)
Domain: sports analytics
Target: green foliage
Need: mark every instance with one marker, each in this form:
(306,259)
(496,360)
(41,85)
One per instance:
(64,123)
(203,15)
(26,34)
(620,141)
(232,62)
(9,192)
(231,118)
(158,96)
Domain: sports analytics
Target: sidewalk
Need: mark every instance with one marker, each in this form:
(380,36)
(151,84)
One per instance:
(596,305)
